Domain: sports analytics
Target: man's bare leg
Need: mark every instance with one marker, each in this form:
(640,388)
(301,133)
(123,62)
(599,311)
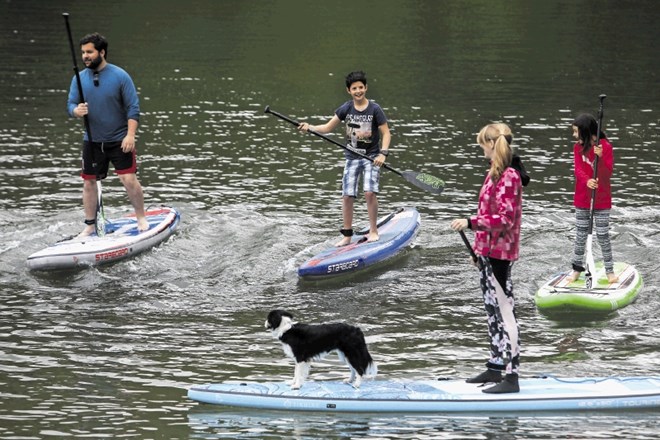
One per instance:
(89,197)
(136,196)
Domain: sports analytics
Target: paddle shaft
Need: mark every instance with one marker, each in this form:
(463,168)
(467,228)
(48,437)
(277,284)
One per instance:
(100,215)
(329,139)
(75,70)
(589,258)
(593,191)
(469,246)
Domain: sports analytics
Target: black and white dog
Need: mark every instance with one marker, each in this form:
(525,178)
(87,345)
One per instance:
(305,343)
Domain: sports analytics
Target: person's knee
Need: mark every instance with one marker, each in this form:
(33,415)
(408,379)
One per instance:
(129,180)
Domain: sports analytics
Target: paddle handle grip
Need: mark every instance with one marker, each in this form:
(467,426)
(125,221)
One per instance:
(329,139)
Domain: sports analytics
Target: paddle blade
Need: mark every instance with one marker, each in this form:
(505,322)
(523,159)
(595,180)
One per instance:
(589,260)
(100,212)
(100,223)
(424,181)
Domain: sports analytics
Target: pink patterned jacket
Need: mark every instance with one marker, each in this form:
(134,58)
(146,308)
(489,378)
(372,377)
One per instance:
(497,223)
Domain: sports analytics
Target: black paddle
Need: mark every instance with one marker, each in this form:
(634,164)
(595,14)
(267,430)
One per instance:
(467,244)
(100,213)
(420,180)
(589,260)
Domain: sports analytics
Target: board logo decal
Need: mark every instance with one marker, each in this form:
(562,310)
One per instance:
(112,254)
(341,267)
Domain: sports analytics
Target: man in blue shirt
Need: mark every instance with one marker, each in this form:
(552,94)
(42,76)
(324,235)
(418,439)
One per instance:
(112,108)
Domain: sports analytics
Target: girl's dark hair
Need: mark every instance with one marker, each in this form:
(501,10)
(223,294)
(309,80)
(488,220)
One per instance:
(587,127)
(355,77)
(99,41)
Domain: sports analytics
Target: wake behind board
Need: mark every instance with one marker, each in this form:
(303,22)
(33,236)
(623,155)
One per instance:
(396,231)
(560,295)
(122,240)
(537,394)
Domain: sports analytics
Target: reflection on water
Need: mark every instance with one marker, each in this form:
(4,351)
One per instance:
(106,352)
(234,423)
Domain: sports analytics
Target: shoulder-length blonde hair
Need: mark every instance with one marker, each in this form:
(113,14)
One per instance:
(502,137)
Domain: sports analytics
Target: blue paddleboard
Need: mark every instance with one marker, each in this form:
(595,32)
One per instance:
(537,394)
(396,232)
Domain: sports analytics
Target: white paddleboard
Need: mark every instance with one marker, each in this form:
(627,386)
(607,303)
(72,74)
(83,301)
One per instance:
(122,240)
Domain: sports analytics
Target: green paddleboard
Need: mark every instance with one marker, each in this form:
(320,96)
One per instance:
(558,294)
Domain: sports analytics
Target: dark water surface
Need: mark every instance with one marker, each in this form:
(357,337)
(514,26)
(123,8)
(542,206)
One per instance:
(109,352)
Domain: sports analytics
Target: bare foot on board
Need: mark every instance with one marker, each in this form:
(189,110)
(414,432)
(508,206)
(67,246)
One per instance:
(343,242)
(372,237)
(612,278)
(89,230)
(573,277)
(143,224)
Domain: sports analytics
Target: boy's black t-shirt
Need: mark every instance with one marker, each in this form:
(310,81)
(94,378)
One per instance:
(362,127)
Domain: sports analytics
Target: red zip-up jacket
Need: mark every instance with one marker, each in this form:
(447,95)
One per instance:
(498,219)
(584,171)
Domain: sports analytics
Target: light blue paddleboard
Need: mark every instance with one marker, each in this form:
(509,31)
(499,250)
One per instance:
(396,231)
(536,394)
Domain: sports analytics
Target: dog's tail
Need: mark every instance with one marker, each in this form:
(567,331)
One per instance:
(372,369)
(361,361)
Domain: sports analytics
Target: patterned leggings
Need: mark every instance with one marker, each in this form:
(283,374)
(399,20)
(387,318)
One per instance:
(502,323)
(602,226)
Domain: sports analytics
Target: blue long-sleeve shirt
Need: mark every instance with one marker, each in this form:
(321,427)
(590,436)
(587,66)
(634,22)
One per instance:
(111,104)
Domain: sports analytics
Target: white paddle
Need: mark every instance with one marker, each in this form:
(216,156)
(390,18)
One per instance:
(589,259)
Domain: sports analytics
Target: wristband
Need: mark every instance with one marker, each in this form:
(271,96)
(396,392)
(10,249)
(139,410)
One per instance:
(385,152)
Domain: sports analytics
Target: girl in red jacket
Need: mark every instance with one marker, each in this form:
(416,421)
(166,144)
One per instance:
(496,229)
(585,128)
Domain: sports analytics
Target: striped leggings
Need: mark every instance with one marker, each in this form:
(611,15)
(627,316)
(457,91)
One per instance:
(602,226)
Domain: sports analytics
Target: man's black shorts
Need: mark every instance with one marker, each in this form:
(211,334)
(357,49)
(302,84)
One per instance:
(96,157)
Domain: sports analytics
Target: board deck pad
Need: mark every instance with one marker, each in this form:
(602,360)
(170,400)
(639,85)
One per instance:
(559,293)
(536,394)
(396,231)
(122,240)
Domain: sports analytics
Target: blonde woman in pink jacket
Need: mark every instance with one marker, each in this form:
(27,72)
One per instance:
(496,229)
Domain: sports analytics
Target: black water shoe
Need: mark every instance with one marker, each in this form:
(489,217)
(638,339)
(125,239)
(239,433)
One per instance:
(486,376)
(508,385)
